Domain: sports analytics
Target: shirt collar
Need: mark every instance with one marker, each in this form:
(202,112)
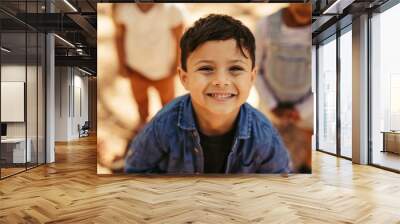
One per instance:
(186,120)
(185,114)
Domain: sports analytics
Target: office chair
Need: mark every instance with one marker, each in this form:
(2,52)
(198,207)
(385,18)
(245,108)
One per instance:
(84,130)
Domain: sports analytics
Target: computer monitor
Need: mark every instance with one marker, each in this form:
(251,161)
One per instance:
(3,129)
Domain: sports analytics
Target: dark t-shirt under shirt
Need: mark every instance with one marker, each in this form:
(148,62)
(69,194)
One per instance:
(216,150)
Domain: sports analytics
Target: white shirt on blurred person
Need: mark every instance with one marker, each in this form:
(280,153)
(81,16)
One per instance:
(150,45)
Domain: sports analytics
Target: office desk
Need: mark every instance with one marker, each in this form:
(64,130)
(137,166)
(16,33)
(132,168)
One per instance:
(13,150)
(391,141)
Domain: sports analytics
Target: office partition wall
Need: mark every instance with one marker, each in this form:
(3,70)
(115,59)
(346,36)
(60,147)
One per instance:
(22,77)
(14,147)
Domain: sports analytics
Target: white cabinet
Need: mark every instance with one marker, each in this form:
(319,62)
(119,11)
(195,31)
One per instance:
(18,149)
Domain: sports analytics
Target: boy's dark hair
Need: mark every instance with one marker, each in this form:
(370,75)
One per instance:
(217,27)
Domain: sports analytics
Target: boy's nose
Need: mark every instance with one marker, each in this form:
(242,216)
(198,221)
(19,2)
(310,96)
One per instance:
(221,79)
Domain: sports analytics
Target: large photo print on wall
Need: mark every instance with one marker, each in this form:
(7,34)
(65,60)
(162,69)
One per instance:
(204,88)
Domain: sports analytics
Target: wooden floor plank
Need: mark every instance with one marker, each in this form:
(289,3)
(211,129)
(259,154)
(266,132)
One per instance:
(70,191)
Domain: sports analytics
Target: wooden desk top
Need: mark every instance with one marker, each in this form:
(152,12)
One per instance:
(13,140)
(390,132)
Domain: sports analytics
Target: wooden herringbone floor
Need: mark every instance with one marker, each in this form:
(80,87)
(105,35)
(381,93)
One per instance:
(69,191)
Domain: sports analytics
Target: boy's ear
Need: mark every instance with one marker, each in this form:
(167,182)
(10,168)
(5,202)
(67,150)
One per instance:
(183,77)
(253,74)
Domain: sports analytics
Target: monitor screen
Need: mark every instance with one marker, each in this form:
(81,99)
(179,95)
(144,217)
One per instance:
(3,129)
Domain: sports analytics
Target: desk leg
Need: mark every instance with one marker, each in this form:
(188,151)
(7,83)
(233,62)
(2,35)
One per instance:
(384,142)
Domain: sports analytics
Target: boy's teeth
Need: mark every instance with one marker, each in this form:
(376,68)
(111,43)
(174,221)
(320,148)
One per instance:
(221,95)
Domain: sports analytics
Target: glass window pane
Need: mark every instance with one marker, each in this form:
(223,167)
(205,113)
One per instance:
(31,97)
(327,97)
(386,89)
(314,76)
(346,94)
(41,98)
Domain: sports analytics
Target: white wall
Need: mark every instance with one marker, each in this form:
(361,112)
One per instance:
(71,94)
(33,126)
(62,80)
(12,73)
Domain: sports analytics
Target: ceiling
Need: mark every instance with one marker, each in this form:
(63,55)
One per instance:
(72,20)
(332,15)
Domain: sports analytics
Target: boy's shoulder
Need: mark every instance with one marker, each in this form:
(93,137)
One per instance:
(262,128)
(170,112)
(257,116)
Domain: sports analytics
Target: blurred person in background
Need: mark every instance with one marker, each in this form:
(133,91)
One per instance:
(283,56)
(147,43)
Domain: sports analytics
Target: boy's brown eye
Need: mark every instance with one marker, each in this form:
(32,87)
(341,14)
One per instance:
(205,68)
(236,68)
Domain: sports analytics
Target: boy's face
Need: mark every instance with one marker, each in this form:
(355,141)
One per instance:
(218,77)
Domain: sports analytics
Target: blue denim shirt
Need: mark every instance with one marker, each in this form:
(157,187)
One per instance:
(170,143)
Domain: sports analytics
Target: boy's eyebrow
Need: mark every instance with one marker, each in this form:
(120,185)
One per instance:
(237,60)
(204,61)
(231,61)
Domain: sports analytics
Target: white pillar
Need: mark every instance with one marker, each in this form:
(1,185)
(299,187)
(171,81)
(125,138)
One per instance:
(360,90)
(50,92)
(50,99)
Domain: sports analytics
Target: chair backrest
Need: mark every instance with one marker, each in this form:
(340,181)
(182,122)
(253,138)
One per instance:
(86,125)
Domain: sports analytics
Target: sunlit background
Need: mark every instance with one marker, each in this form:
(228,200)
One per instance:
(117,111)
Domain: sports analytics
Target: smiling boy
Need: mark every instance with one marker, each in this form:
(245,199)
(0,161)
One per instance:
(211,129)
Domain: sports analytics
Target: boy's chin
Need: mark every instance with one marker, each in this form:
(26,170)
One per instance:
(222,111)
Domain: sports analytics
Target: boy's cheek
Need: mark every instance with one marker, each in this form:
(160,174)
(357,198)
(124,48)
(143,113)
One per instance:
(184,82)
(252,75)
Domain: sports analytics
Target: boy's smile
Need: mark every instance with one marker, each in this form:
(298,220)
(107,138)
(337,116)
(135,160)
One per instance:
(218,77)
(221,96)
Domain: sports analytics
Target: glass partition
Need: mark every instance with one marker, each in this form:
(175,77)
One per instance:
(327,96)
(22,77)
(41,87)
(14,153)
(32,87)
(31,100)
